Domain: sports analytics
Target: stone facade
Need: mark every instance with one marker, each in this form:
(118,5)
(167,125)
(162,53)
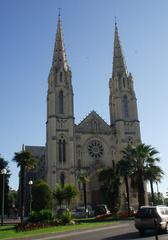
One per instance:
(72,149)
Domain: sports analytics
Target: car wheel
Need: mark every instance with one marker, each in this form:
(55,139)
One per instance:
(166,228)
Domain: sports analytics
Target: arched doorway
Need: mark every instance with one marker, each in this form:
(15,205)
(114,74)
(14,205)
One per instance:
(94,185)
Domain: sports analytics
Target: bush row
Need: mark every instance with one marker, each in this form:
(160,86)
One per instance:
(45,218)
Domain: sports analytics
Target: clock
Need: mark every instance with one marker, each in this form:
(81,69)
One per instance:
(95,149)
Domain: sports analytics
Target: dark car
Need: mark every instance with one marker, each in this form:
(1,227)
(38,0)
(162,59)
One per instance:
(101,209)
(81,212)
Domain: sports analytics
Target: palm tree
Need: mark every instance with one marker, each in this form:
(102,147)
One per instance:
(25,161)
(152,171)
(84,179)
(157,181)
(4,165)
(140,159)
(111,181)
(153,174)
(124,168)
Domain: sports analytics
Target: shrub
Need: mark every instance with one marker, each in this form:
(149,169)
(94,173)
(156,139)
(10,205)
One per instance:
(31,226)
(41,196)
(42,216)
(67,218)
(46,215)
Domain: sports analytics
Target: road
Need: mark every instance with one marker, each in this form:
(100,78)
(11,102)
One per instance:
(121,231)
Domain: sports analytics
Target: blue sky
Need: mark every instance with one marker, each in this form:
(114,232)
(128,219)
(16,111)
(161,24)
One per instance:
(26,46)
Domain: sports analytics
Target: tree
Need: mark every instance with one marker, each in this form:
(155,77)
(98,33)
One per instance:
(84,180)
(12,202)
(65,193)
(4,164)
(138,156)
(70,192)
(124,169)
(25,161)
(58,194)
(153,174)
(110,188)
(41,196)
(158,201)
(140,160)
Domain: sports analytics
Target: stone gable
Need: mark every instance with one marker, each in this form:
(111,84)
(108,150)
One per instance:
(93,123)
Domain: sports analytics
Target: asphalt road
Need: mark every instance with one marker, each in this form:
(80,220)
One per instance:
(121,231)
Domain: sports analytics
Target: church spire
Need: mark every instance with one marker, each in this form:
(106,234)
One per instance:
(119,66)
(59,56)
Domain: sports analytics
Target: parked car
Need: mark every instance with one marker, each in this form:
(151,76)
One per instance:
(61,211)
(101,209)
(152,217)
(124,212)
(79,212)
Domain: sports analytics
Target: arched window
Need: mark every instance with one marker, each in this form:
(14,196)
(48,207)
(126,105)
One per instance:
(62,179)
(62,150)
(61,102)
(125,107)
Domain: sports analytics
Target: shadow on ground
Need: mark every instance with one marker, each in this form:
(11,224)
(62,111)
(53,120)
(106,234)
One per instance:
(129,236)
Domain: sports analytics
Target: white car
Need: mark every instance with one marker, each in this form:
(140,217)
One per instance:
(152,217)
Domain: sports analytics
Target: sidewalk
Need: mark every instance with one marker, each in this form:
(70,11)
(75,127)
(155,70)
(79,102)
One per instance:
(11,220)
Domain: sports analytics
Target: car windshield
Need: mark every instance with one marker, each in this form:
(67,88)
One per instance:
(81,209)
(146,213)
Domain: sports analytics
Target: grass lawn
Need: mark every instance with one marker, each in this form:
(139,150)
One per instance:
(8,231)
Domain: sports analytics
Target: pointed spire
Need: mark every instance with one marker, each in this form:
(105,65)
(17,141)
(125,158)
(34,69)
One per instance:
(59,56)
(119,66)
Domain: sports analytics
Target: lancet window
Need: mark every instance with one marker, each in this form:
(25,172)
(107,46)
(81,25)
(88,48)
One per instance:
(125,107)
(62,150)
(61,102)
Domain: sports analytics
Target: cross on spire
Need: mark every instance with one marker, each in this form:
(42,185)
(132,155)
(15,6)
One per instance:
(59,56)
(119,66)
(115,19)
(59,11)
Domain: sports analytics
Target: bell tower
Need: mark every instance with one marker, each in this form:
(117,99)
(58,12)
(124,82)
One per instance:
(122,100)
(60,116)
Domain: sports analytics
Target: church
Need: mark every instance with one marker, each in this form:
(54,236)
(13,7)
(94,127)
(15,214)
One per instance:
(73,149)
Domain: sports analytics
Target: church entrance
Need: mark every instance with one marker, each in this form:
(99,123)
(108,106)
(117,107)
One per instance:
(96,195)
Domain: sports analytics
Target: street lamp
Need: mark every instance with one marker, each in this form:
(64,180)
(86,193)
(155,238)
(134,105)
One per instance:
(3,173)
(30,184)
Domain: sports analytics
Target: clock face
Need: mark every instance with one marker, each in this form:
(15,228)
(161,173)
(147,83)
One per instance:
(95,149)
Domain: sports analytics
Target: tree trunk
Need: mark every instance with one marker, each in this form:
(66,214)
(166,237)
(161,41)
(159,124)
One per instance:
(128,196)
(84,195)
(141,190)
(22,197)
(152,192)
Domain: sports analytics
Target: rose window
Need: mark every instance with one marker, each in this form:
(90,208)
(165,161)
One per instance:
(95,149)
